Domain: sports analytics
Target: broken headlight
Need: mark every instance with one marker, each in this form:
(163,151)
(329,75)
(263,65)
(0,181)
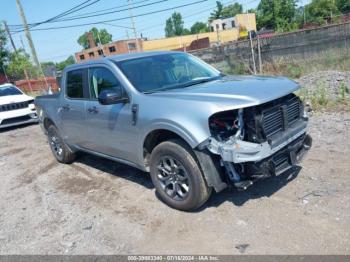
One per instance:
(223,125)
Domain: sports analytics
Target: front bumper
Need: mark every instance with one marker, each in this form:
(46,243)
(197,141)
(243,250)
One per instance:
(19,120)
(239,151)
(282,160)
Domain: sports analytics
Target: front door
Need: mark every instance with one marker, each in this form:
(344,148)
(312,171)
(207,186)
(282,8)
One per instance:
(109,126)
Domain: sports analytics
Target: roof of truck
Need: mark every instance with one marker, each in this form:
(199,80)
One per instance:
(117,58)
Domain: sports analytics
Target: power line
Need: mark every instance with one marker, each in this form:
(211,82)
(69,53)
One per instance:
(107,9)
(70,11)
(118,19)
(121,26)
(105,13)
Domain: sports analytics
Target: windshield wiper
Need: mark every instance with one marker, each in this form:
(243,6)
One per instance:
(200,81)
(162,89)
(181,85)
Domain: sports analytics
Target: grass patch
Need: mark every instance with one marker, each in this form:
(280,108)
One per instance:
(320,99)
(329,60)
(343,91)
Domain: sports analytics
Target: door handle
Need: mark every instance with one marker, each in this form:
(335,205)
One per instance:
(93,110)
(66,107)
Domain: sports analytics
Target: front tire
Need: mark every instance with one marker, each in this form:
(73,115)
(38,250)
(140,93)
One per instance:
(59,149)
(177,176)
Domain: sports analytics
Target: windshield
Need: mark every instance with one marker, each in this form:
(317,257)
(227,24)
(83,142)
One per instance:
(9,91)
(166,71)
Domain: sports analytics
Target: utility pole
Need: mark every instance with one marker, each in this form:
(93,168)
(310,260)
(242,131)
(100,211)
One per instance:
(250,39)
(133,24)
(41,70)
(252,49)
(15,49)
(25,71)
(3,69)
(10,36)
(27,33)
(259,53)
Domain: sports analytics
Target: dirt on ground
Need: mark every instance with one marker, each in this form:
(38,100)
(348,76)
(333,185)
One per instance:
(335,83)
(96,206)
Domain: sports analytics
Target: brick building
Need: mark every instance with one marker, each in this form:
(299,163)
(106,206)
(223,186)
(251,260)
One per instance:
(114,48)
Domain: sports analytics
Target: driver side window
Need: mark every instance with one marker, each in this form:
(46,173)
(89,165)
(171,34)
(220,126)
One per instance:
(100,79)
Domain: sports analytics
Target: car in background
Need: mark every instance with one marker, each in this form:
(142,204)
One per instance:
(16,108)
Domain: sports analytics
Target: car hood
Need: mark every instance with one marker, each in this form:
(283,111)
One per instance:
(232,92)
(14,99)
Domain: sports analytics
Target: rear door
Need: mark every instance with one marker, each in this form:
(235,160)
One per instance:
(109,126)
(72,109)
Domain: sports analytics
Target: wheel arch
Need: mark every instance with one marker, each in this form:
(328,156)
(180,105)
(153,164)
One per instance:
(155,137)
(208,166)
(47,122)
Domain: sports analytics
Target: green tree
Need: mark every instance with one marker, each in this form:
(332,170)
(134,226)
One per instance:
(276,14)
(98,35)
(299,16)
(217,13)
(318,11)
(18,62)
(49,68)
(199,27)
(169,28)
(4,53)
(69,61)
(343,5)
(186,31)
(265,14)
(222,11)
(232,10)
(174,26)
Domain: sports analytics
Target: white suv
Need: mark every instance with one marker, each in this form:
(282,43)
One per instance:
(16,108)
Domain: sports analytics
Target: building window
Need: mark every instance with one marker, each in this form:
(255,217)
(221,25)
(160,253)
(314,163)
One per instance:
(223,26)
(112,49)
(212,29)
(131,46)
(82,57)
(233,24)
(91,54)
(100,52)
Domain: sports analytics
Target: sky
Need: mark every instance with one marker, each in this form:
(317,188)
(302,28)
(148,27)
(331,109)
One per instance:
(56,45)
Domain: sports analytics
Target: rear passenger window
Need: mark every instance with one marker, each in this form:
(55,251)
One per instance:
(74,87)
(102,79)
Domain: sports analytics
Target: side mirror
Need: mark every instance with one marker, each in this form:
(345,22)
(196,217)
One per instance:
(109,97)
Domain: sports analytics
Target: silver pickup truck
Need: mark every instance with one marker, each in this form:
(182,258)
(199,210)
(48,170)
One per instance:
(168,113)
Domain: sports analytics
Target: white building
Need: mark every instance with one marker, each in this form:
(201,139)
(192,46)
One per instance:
(240,20)
(222,24)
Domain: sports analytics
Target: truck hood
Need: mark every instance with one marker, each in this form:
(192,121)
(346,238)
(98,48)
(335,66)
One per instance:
(232,92)
(4,100)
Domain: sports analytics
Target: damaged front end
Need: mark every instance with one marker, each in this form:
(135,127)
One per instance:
(260,141)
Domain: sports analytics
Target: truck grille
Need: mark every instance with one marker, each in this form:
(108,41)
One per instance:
(14,106)
(282,116)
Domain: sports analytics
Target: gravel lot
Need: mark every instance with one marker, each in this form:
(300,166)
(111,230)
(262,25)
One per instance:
(96,206)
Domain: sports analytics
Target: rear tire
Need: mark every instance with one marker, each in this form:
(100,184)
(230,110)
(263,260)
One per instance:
(58,147)
(177,177)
